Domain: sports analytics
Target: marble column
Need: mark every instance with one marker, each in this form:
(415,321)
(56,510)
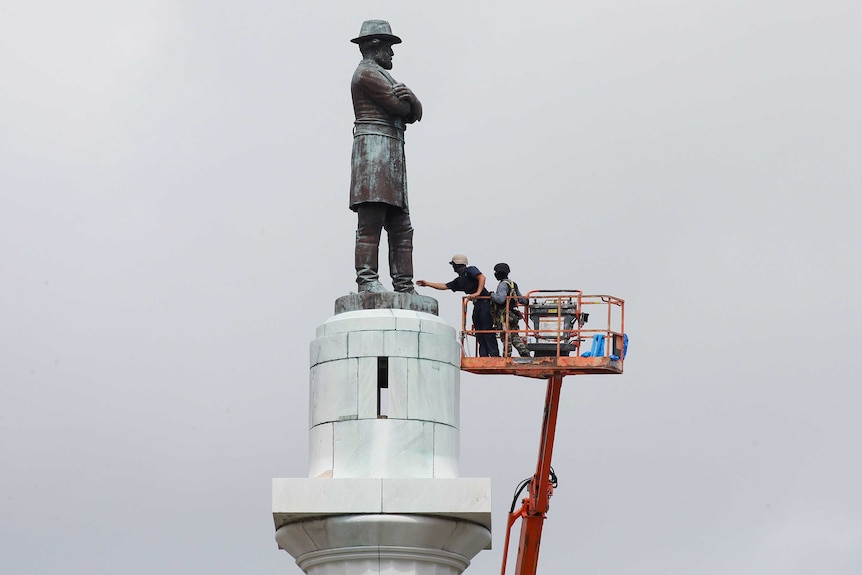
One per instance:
(383,494)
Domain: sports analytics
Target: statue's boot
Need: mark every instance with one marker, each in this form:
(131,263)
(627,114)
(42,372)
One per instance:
(366,268)
(401,265)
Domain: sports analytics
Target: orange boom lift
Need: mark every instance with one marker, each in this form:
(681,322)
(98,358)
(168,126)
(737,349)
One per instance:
(557,337)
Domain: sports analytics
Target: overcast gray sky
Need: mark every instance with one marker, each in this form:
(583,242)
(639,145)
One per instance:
(174,226)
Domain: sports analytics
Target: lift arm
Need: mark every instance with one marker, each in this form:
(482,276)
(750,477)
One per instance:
(535,507)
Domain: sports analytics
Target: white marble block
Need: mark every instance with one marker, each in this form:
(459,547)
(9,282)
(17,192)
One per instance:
(384,422)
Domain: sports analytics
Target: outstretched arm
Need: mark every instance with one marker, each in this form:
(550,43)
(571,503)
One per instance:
(435,285)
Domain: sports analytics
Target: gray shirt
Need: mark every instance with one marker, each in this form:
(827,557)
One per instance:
(499,296)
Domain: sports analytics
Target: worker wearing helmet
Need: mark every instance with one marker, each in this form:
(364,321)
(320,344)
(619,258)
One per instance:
(472,282)
(505,312)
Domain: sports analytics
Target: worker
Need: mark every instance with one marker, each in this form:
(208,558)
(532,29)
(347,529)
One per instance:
(472,282)
(505,312)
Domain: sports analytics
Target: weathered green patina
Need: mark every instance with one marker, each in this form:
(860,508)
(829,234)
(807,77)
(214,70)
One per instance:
(378,183)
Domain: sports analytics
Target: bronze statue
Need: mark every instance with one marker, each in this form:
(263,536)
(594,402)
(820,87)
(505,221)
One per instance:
(378,182)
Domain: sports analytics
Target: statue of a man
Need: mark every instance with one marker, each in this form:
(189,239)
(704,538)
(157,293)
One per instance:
(378,182)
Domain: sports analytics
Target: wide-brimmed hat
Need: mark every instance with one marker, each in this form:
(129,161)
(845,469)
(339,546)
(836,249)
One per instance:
(376,29)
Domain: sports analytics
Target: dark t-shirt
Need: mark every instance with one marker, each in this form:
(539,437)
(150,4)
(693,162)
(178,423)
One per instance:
(467,282)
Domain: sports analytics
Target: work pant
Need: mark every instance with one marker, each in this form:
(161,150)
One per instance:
(373,217)
(482,321)
(514,337)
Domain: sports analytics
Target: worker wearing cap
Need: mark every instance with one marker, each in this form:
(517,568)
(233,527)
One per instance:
(472,282)
(504,310)
(378,181)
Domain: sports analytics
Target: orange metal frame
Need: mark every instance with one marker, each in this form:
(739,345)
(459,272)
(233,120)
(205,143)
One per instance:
(601,309)
(567,337)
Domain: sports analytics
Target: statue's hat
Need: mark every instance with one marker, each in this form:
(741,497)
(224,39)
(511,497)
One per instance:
(376,29)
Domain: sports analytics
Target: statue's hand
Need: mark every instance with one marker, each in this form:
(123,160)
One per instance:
(402,92)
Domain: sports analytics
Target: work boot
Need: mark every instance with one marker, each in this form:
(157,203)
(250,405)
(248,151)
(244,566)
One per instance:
(366,268)
(401,266)
(372,287)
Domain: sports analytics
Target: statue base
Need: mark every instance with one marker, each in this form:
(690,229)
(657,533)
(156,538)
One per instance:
(386,300)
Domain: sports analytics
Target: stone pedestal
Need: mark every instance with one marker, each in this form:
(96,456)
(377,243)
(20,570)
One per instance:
(383,493)
(388,300)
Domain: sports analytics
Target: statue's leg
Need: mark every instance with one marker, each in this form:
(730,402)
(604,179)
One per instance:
(371,216)
(399,232)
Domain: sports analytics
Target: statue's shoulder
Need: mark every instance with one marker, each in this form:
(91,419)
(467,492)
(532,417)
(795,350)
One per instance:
(367,71)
